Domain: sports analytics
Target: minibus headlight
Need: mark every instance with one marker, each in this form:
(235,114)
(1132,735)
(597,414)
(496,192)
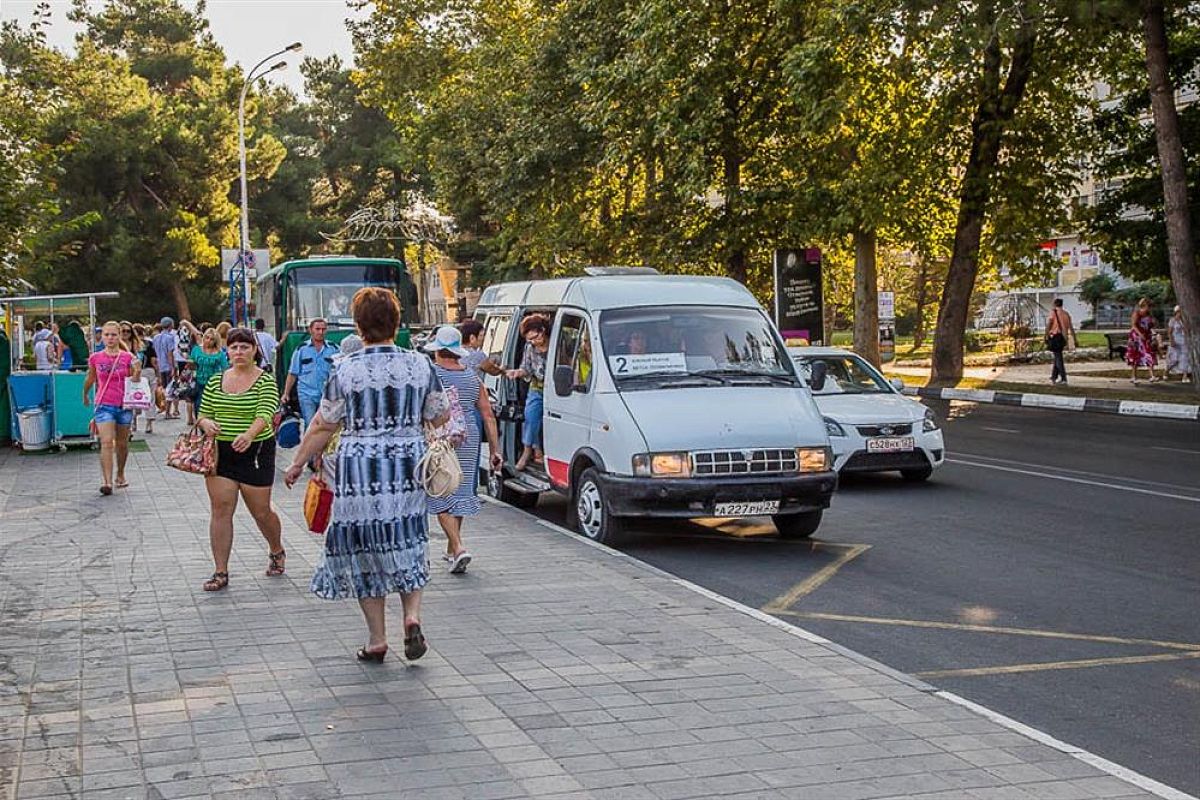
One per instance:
(813,459)
(662,465)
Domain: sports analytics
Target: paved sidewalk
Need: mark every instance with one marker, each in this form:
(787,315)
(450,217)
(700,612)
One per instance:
(1082,375)
(557,670)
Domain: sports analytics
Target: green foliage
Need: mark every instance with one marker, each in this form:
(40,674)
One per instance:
(1096,288)
(1157,290)
(1128,222)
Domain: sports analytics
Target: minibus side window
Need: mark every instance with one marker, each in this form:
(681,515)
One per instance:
(495,335)
(574,349)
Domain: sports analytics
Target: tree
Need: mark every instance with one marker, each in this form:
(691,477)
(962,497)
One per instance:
(1185,274)
(1095,289)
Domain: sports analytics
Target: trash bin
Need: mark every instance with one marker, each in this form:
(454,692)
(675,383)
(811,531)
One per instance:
(35,428)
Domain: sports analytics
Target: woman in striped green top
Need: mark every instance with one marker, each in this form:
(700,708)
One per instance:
(236,408)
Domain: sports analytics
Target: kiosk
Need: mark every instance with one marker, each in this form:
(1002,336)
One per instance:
(46,407)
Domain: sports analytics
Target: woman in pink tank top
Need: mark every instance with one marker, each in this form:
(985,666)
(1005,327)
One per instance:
(107,371)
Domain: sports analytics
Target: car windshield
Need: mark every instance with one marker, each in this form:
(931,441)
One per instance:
(845,375)
(670,341)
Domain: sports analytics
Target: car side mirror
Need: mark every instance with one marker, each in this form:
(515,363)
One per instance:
(563,380)
(816,375)
(897,384)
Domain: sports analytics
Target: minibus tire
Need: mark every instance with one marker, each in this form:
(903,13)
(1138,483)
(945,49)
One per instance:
(493,484)
(591,511)
(798,526)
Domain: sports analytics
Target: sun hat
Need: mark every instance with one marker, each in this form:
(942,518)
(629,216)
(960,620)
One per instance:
(449,338)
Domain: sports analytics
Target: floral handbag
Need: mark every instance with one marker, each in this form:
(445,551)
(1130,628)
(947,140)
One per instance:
(195,452)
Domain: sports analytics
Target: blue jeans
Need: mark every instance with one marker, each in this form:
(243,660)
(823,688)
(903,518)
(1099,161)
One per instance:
(531,433)
(121,416)
(308,408)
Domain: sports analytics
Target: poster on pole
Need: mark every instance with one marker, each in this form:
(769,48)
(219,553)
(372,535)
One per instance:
(799,301)
(887,326)
(260,262)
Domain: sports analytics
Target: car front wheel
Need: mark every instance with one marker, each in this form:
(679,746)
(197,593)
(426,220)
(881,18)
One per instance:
(592,512)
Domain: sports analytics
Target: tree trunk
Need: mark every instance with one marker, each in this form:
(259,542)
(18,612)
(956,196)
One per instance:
(995,110)
(182,308)
(731,157)
(1180,246)
(922,299)
(866,297)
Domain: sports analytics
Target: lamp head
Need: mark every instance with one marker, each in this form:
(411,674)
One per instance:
(294,47)
(278,65)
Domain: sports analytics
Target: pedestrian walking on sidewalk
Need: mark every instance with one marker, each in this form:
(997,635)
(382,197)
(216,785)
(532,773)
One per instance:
(236,408)
(449,354)
(377,540)
(1179,358)
(309,370)
(1139,352)
(107,370)
(1059,334)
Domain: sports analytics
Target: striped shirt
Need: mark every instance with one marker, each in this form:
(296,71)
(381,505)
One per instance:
(235,413)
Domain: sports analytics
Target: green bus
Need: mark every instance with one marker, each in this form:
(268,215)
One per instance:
(296,292)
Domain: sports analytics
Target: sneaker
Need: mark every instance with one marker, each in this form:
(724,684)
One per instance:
(458,565)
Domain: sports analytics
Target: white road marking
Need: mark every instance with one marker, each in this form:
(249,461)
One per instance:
(1058,470)
(1070,479)
(1176,450)
(999,430)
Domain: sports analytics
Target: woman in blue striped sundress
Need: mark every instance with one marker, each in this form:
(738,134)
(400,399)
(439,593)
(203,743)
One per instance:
(377,542)
(448,352)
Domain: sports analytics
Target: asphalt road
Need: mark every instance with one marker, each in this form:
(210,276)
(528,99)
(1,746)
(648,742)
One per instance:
(1050,571)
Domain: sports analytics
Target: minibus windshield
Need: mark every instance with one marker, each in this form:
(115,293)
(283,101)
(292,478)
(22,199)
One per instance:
(667,341)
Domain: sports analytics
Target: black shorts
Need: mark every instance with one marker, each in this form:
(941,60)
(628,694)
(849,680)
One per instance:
(255,467)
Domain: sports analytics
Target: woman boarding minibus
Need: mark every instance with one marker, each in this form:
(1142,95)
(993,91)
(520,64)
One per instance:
(662,396)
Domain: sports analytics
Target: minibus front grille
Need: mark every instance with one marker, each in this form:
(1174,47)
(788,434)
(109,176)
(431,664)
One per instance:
(770,461)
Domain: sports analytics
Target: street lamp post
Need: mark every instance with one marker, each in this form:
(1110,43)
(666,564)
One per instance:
(244,233)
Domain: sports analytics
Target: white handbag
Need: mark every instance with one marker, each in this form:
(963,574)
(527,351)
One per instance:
(438,471)
(138,396)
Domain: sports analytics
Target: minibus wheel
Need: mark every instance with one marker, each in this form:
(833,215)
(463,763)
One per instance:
(592,513)
(494,485)
(798,526)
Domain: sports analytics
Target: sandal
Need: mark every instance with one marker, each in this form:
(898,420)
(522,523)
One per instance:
(414,641)
(121,483)
(217,582)
(275,566)
(105,489)
(364,654)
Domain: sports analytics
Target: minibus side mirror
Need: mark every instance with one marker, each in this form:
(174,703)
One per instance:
(564,380)
(816,376)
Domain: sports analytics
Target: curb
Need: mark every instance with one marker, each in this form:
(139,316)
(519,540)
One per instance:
(1058,402)
(1112,768)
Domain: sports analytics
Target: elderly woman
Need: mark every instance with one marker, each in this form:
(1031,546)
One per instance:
(448,357)
(377,543)
(1179,359)
(535,330)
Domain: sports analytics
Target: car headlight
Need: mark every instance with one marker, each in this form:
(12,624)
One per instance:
(930,425)
(813,459)
(662,465)
(833,428)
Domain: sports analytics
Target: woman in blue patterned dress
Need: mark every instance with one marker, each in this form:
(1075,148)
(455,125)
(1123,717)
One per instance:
(377,542)
(448,353)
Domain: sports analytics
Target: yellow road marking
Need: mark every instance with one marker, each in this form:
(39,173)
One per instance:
(852,551)
(960,626)
(1054,665)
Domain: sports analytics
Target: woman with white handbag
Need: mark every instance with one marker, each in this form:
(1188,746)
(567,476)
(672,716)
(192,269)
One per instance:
(108,369)
(377,543)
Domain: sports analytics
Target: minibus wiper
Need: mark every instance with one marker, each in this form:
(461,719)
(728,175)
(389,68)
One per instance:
(723,374)
(663,374)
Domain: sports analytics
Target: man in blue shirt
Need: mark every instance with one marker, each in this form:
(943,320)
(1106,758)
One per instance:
(310,369)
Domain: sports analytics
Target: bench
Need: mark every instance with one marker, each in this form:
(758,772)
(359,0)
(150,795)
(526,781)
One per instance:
(1116,344)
